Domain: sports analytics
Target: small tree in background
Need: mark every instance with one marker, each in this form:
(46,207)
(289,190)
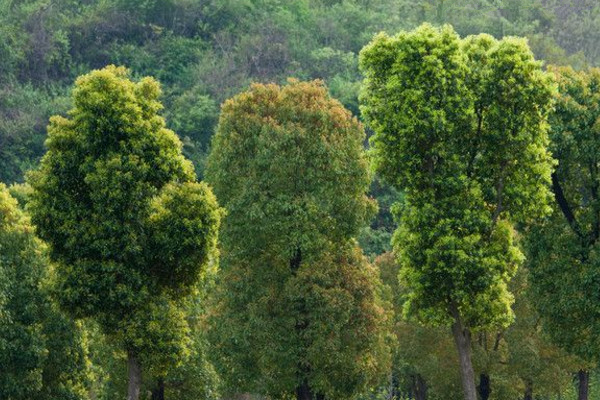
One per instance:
(130,230)
(298,311)
(460,126)
(43,354)
(564,260)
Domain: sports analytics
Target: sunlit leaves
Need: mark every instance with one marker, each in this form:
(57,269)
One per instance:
(460,126)
(130,229)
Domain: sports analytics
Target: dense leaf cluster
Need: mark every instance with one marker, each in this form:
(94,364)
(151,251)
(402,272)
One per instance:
(43,353)
(130,230)
(460,126)
(298,304)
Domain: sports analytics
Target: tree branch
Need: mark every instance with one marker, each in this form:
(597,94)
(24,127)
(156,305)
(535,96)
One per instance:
(594,191)
(564,206)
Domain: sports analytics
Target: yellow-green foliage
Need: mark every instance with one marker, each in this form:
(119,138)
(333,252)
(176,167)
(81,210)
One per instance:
(513,358)
(130,230)
(460,126)
(298,302)
(42,353)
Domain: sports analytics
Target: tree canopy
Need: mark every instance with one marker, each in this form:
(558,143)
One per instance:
(43,354)
(298,309)
(130,230)
(461,127)
(563,247)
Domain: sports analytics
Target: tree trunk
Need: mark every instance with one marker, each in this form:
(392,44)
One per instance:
(158,393)
(135,377)
(393,392)
(303,392)
(484,387)
(528,391)
(583,380)
(420,388)
(462,339)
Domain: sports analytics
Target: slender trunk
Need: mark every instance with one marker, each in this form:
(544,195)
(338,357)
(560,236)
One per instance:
(462,339)
(135,377)
(528,390)
(303,392)
(583,380)
(394,392)
(484,387)
(158,393)
(410,395)
(420,388)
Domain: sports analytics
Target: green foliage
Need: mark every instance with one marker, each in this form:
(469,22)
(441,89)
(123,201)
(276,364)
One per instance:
(24,112)
(194,115)
(207,51)
(298,303)
(512,357)
(195,378)
(575,28)
(376,238)
(563,249)
(130,231)
(460,125)
(219,47)
(43,354)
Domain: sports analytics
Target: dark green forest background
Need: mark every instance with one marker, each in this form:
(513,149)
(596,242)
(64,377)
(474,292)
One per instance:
(204,51)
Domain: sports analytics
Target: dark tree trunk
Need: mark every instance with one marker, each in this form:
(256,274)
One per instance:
(484,387)
(420,387)
(394,386)
(462,339)
(583,383)
(528,391)
(303,392)
(135,377)
(158,393)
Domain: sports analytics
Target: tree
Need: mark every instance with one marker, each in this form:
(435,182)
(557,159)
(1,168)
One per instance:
(298,310)
(130,230)
(460,126)
(42,352)
(563,248)
(511,363)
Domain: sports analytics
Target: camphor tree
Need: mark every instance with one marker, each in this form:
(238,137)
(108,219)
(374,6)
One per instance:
(460,126)
(299,311)
(563,249)
(130,230)
(519,360)
(42,352)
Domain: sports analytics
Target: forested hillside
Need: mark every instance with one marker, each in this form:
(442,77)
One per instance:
(320,138)
(204,51)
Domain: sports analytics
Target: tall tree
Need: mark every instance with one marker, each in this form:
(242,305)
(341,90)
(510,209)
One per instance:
(42,352)
(298,311)
(460,126)
(563,249)
(130,230)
